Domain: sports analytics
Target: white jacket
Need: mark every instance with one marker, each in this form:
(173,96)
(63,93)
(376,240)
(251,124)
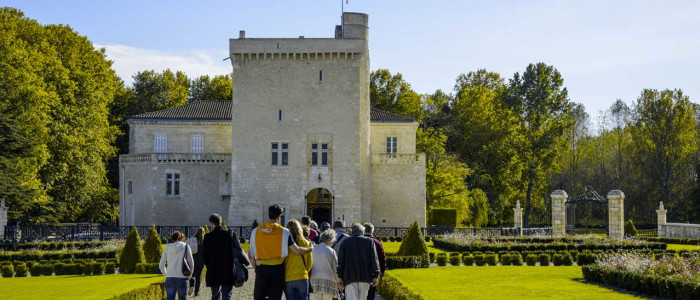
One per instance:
(172,256)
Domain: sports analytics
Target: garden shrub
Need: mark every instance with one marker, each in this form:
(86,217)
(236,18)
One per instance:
(97,268)
(491,259)
(241,240)
(479,259)
(516,259)
(147,268)
(630,230)
(586,258)
(431,256)
(505,259)
(35,270)
(384,239)
(543,259)
(427,239)
(132,253)
(85,269)
(110,268)
(390,288)
(655,286)
(467,259)
(557,259)
(531,259)
(152,247)
(404,262)
(58,268)
(46,269)
(414,245)
(441,260)
(566,259)
(21,270)
(153,291)
(443,217)
(455,260)
(7,271)
(398,238)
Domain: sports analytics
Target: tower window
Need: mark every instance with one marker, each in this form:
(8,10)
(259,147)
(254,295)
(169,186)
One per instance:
(172,184)
(320,76)
(280,154)
(279,115)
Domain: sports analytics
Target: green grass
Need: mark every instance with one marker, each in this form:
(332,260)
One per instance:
(509,282)
(678,247)
(74,287)
(393,247)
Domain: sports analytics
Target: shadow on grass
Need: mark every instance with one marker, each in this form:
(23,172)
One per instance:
(616,289)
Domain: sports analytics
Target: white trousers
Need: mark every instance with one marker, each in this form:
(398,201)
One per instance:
(320,296)
(356,291)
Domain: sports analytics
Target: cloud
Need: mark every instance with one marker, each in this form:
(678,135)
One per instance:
(130,60)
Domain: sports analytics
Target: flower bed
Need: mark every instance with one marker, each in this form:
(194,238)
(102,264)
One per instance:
(668,277)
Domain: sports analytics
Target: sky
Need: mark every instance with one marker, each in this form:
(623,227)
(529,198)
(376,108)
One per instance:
(605,50)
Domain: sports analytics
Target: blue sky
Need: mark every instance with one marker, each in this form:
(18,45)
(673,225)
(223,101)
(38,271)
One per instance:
(604,49)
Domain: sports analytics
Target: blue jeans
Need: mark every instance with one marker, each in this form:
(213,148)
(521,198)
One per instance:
(173,285)
(222,291)
(297,289)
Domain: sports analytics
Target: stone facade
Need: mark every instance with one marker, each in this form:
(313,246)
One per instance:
(559,198)
(679,230)
(3,219)
(616,214)
(295,98)
(518,217)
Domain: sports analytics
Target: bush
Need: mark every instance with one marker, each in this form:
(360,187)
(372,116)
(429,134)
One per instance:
(404,262)
(390,288)
(630,230)
(442,217)
(97,268)
(491,259)
(586,258)
(147,268)
(398,239)
(505,259)
(241,240)
(414,244)
(58,268)
(7,271)
(656,286)
(441,260)
(516,259)
(384,239)
(21,270)
(110,268)
(35,270)
(543,259)
(132,253)
(479,259)
(566,259)
(531,259)
(431,256)
(556,259)
(455,260)
(152,247)
(85,269)
(153,291)
(427,239)
(467,259)
(46,270)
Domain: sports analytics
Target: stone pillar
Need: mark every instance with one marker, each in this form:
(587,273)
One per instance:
(518,217)
(661,219)
(3,219)
(559,212)
(616,214)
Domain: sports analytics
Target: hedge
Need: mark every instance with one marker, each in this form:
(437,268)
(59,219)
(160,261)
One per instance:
(392,289)
(7,270)
(56,255)
(147,268)
(555,246)
(682,241)
(656,286)
(543,259)
(442,217)
(531,260)
(441,259)
(50,246)
(153,291)
(403,262)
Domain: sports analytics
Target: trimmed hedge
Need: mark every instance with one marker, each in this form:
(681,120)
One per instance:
(404,262)
(50,246)
(543,259)
(153,291)
(553,246)
(682,241)
(531,260)
(56,255)
(586,258)
(7,270)
(441,259)
(657,286)
(455,260)
(147,268)
(443,217)
(468,259)
(392,289)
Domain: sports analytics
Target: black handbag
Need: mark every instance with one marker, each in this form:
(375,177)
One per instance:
(239,272)
(311,289)
(186,268)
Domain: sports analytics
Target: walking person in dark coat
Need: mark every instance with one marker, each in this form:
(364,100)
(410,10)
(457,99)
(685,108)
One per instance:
(369,231)
(358,266)
(218,250)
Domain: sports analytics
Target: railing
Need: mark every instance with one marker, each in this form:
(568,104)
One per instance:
(398,158)
(175,158)
(102,232)
(648,232)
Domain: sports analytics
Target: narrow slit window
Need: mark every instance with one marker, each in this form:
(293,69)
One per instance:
(279,115)
(314,155)
(285,154)
(320,76)
(324,155)
(275,153)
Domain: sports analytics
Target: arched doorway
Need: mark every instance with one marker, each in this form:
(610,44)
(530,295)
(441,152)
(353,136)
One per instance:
(319,205)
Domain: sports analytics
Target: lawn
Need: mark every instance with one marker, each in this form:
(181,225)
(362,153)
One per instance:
(74,287)
(509,282)
(679,247)
(393,247)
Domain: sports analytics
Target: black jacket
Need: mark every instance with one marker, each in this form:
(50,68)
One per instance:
(218,249)
(357,260)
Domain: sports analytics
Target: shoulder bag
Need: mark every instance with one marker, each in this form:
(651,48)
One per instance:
(311,289)
(239,272)
(186,268)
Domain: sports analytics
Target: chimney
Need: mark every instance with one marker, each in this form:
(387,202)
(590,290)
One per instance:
(241,34)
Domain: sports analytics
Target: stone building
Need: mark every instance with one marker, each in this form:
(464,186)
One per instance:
(299,132)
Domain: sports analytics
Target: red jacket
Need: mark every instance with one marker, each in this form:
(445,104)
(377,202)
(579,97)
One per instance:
(380,254)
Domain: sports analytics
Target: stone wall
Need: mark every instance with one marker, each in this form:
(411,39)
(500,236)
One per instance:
(559,198)
(398,193)
(217,135)
(405,134)
(679,230)
(3,219)
(616,214)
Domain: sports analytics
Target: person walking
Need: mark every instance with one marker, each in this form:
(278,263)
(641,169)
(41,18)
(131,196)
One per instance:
(195,244)
(270,244)
(174,255)
(218,252)
(358,266)
(369,233)
(297,267)
(306,222)
(323,277)
(324,226)
(340,235)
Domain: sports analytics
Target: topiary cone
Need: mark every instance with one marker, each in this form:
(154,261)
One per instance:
(152,247)
(132,253)
(413,242)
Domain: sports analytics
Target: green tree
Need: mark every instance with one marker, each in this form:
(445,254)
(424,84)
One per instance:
(152,247)
(132,253)
(541,105)
(206,88)
(392,93)
(156,91)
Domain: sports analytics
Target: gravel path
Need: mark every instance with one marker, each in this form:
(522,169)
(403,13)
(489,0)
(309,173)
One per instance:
(245,292)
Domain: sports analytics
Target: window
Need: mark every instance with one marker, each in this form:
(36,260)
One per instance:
(279,116)
(172,188)
(197,146)
(160,145)
(280,154)
(314,155)
(320,76)
(324,155)
(391,145)
(129,187)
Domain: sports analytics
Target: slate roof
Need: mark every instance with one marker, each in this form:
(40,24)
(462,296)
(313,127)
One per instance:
(198,110)
(380,115)
(221,110)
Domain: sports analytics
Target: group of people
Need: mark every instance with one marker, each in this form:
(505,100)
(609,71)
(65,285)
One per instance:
(302,260)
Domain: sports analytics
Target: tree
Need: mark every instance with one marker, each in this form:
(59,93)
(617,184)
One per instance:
(413,244)
(132,253)
(152,247)
(205,88)
(392,93)
(541,105)
(155,91)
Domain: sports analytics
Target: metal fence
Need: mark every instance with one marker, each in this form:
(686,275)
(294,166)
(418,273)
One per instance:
(102,232)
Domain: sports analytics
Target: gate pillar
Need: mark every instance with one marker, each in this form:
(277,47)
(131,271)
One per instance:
(518,217)
(3,219)
(616,214)
(661,219)
(559,198)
